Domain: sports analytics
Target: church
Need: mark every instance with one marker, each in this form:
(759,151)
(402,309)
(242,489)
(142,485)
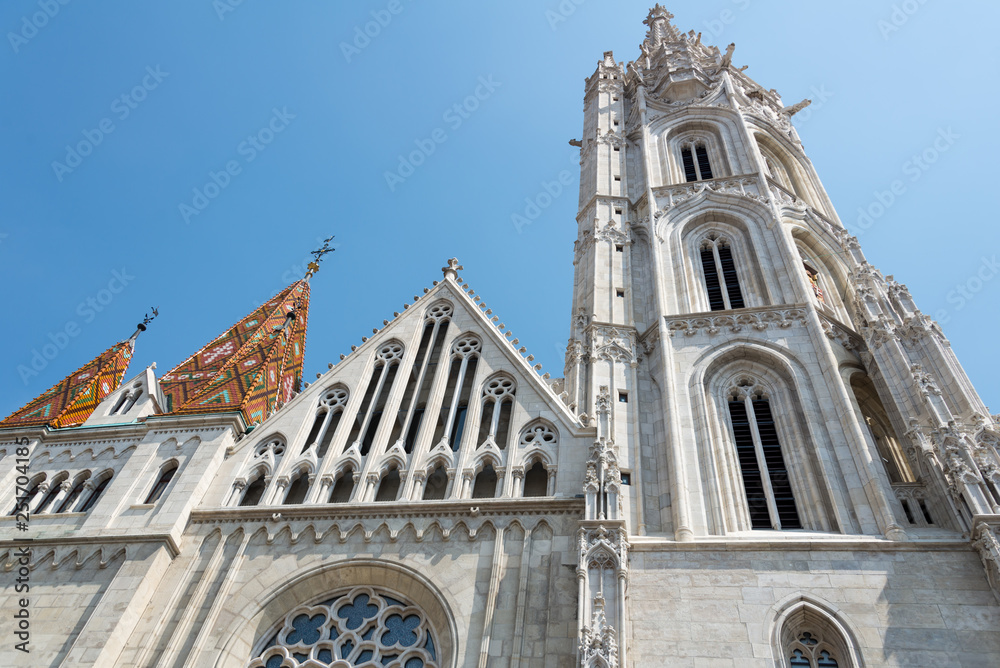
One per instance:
(761,453)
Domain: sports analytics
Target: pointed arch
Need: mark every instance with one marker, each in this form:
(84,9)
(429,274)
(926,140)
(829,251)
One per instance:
(805,626)
(764,371)
(165,475)
(723,267)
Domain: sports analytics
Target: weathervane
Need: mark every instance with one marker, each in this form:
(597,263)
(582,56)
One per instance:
(146,319)
(318,254)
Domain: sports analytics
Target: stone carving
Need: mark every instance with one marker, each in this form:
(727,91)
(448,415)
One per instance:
(754,320)
(742,186)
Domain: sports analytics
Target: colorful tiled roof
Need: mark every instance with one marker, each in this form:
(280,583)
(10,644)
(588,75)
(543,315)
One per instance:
(70,402)
(254,367)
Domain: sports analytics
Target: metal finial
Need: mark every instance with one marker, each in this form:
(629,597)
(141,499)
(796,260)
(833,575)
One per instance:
(318,254)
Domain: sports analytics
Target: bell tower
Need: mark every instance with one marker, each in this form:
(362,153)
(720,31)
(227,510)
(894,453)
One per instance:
(750,373)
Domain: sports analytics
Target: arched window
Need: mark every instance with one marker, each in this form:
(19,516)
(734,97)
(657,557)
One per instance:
(811,637)
(409,419)
(694,159)
(324,427)
(24,502)
(127,399)
(768,489)
(297,490)
(99,487)
(343,488)
(436,486)
(161,483)
(485,486)
(74,495)
(358,627)
(388,489)
(54,489)
(498,403)
(369,415)
(536,480)
(458,391)
(254,492)
(721,279)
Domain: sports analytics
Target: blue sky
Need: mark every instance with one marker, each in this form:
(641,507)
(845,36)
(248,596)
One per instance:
(168,94)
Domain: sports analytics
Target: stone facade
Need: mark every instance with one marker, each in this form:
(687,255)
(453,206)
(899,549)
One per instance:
(762,453)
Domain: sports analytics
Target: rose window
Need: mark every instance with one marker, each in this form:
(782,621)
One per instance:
(362,628)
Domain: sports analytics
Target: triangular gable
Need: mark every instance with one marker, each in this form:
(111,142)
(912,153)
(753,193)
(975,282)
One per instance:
(254,367)
(465,299)
(70,402)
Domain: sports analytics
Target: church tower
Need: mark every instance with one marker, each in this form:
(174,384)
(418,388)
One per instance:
(757,384)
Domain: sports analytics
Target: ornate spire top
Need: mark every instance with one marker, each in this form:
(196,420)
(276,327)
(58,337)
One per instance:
(318,257)
(660,28)
(451,271)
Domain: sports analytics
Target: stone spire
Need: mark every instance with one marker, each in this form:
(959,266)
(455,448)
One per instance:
(660,28)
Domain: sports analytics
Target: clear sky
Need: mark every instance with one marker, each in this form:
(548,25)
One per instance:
(162,96)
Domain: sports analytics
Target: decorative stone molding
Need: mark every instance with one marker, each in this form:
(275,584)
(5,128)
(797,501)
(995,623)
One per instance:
(841,334)
(742,186)
(757,319)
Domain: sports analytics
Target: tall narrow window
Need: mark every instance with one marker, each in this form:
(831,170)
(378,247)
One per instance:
(461,376)
(696,163)
(343,488)
(297,490)
(379,387)
(161,484)
(388,489)
(254,492)
(74,495)
(703,165)
(409,418)
(536,480)
(770,501)
(485,486)
(690,173)
(498,402)
(437,484)
(54,488)
(29,497)
(721,280)
(324,427)
(96,494)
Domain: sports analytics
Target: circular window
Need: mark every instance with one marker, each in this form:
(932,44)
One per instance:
(361,627)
